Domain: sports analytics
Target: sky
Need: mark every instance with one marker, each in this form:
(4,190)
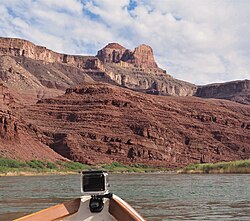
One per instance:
(200,41)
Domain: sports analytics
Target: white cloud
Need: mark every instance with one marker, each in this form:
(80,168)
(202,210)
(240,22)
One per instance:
(71,6)
(198,41)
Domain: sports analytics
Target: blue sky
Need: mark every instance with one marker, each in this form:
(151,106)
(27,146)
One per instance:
(201,41)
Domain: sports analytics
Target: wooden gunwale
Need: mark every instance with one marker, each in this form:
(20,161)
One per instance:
(118,208)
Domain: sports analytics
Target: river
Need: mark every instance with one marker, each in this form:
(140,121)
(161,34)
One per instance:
(156,196)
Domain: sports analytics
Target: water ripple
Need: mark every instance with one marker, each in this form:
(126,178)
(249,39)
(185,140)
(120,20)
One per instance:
(155,196)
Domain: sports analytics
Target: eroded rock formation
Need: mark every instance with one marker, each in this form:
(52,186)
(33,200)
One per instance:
(100,123)
(22,141)
(5,97)
(111,53)
(142,56)
(114,64)
(238,91)
(22,48)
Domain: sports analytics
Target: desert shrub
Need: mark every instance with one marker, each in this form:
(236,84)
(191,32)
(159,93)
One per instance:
(115,167)
(75,166)
(4,162)
(241,166)
(36,164)
(51,165)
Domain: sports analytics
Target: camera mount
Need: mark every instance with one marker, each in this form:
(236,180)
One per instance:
(96,202)
(95,184)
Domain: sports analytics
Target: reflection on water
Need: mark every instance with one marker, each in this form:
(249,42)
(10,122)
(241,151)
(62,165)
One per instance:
(155,196)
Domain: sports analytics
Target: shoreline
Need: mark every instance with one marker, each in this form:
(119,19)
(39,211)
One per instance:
(63,173)
(174,172)
(231,167)
(27,173)
(11,167)
(212,172)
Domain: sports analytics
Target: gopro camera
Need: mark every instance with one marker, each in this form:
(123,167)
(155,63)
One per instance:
(94,183)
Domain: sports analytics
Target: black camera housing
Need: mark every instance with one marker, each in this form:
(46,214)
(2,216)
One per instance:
(94,183)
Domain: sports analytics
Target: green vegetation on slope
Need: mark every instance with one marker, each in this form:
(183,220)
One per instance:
(239,166)
(136,168)
(10,166)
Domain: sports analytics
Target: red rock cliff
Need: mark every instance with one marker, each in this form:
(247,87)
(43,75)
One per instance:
(111,53)
(141,57)
(19,47)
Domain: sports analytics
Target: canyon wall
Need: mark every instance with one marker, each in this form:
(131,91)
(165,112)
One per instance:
(238,91)
(141,57)
(135,69)
(101,123)
(99,120)
(18,47)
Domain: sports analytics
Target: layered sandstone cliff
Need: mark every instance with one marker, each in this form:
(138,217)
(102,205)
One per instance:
(111,53)
(22,141)
(100,123)
(6,98)
(135,69)
(24,65)
(22,48)
(141,57)
(238,91)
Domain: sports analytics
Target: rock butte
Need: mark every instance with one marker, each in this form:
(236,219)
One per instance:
(141,57)
(95,117)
